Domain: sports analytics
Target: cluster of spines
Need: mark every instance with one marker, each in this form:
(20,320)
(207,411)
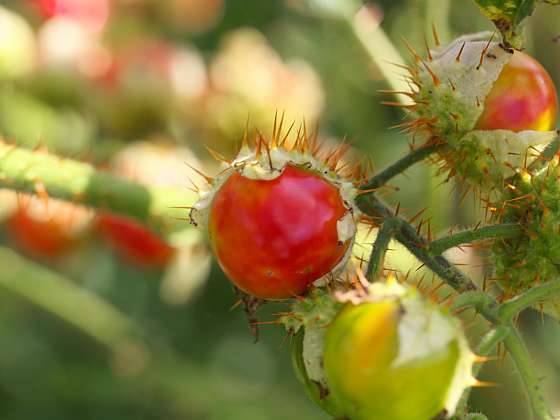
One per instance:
(531,200)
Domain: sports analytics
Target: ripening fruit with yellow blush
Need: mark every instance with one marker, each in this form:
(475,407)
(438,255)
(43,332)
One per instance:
(523,98)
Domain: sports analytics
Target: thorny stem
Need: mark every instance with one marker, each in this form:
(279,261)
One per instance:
(384,236)
(480,301)
(506,230)
(39,172)
(401,165)
(532,384)
(416,244)
(530,298)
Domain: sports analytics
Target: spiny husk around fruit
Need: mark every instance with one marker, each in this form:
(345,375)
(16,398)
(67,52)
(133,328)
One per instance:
(449,89)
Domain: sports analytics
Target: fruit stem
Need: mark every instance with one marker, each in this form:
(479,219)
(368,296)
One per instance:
(402,165)
(480,301)
(506,230)
(530,298)
(377,257)
(532,384)
(416,244)
(31,171)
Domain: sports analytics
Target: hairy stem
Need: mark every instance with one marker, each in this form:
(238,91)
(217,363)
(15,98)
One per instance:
(416,244)
(480,301)
(506,230)
(34,171)
(532,384)
(402,165)
(530,298)
(384,236)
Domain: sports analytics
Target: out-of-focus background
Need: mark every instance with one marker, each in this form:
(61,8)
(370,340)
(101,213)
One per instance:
(94,325)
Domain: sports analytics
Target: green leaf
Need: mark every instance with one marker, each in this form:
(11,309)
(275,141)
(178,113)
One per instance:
(508,16)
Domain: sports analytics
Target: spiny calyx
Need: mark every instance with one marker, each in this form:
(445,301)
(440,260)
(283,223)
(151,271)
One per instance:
(488,105)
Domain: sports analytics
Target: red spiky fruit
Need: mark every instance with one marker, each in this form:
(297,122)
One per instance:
(273,238)
(280,216)
(522,98)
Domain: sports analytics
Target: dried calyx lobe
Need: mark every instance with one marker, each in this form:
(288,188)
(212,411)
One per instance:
(280,217)
(488,105)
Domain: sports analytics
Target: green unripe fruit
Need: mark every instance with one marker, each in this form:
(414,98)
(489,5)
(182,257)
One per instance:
(315,390)
(396,357)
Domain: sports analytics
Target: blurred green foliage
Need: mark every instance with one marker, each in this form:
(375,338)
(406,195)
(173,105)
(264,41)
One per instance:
(196,360)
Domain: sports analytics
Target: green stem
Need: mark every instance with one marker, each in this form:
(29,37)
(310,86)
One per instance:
(480,301)
(30,171)
(532,384)
(416,244)
(402,165)
(530,298)
(384,236)
(486,347)
(506,230)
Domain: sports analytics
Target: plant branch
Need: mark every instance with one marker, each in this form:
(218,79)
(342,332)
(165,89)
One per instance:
(532,384)
(505,230)
(401,165)
(384,236)
(417,245)
(480,301)
(530,298)
(34,171)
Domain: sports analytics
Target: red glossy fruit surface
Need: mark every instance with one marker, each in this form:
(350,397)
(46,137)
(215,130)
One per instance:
(273,238)
(43,238)
(134,241)
(523,98)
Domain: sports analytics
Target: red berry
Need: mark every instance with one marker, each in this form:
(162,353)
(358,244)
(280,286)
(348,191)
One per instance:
(48,229)
(523,98)
(134,241)
(273,238)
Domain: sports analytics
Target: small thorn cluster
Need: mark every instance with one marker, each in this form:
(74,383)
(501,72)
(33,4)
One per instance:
(530,199)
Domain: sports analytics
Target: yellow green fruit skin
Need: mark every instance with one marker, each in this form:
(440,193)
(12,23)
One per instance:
(363,374)
(316,393)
